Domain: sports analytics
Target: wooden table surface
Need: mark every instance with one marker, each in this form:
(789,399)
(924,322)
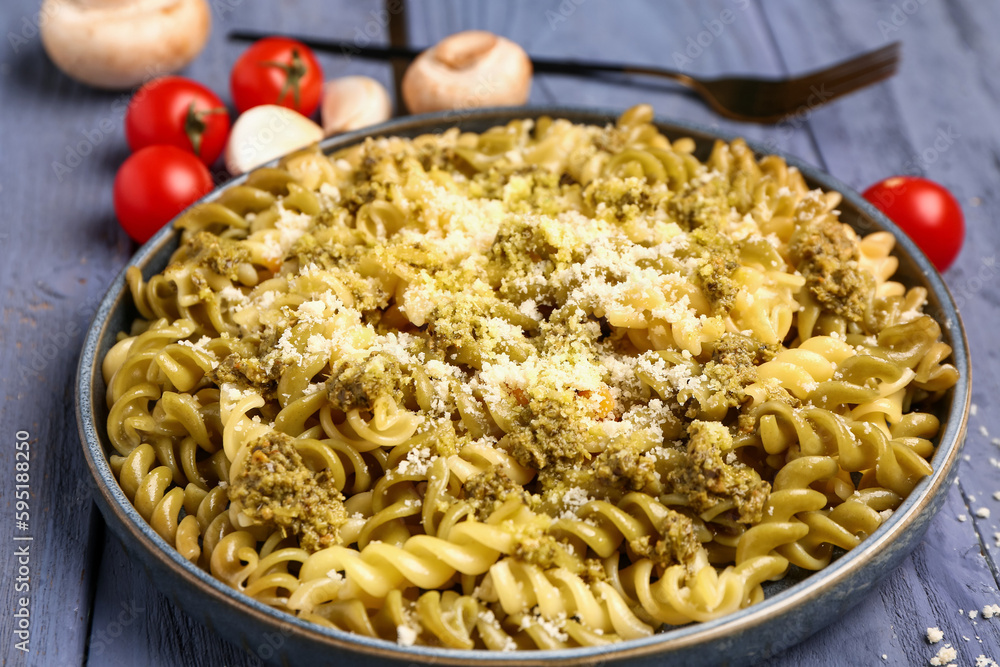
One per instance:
(61,143)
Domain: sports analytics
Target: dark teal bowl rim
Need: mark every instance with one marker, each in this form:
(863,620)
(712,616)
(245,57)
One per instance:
(785,617)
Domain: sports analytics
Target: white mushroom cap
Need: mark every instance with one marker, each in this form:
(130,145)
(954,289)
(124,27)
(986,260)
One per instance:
(122,43)
(353,102)
(469,69)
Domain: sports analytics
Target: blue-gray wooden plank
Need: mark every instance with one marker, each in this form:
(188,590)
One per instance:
(60,247)
(65,234)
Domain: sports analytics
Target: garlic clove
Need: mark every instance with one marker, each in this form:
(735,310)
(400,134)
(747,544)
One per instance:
(469,69)
(264,133)
(353,102)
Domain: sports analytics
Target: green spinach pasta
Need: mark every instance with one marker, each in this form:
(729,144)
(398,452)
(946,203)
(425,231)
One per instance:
(550,385)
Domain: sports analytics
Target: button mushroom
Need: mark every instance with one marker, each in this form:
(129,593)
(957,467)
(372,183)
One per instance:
(121,43)
(469,69)
(354,102)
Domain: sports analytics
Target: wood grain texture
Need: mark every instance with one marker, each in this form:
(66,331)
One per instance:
(61,247)
(131,626)
(57,259)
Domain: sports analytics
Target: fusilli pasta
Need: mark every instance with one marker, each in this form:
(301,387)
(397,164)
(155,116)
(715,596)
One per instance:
(550,385)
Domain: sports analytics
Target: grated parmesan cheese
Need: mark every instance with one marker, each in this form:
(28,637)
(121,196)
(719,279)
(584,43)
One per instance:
(405,635)
(234,394)
(944,656)
(554,627)
(574,498)
(202,346)
(417,462)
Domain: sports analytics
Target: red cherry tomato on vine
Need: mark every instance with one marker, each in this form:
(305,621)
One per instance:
(178,112)
(277,70)
(154,185)
(927,213)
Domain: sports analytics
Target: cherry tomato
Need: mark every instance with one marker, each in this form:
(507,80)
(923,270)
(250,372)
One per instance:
(927,213)
(154,185)
(277,70)
(178,112)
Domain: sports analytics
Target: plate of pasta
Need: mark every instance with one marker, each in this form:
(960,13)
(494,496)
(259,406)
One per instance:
(524,386)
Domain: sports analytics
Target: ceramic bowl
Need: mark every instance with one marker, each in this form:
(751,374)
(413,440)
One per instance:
(794,608)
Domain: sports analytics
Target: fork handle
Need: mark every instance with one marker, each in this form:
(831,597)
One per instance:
(541,65)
